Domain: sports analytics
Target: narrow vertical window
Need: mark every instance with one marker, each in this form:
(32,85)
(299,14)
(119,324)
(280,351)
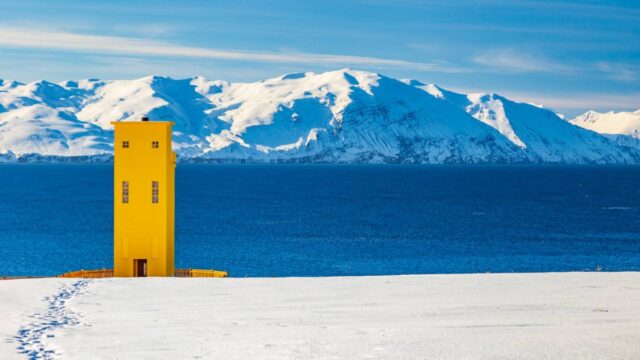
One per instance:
(155,144)
(155,192)
(125,192)
(125,144)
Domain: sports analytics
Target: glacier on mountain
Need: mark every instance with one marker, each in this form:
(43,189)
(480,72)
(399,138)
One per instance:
(344,116)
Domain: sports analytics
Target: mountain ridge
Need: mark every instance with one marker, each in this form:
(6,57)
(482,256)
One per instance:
(612,123)
(342,116)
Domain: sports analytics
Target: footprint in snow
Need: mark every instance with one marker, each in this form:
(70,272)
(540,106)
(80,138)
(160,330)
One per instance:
(32,338)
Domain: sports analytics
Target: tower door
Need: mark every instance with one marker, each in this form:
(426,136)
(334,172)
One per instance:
(140,267)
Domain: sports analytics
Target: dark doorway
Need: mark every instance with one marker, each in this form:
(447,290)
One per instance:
(140,267)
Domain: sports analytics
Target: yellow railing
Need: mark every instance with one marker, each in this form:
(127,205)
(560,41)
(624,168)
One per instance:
(88,274)
(200,273)
(107,273)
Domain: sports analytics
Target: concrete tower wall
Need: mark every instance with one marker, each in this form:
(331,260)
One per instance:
(144,200)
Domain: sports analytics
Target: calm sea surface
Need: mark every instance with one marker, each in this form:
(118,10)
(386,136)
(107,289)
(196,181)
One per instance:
(317,220)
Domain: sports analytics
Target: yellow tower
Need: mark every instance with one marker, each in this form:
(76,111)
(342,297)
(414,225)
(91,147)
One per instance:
(144,178)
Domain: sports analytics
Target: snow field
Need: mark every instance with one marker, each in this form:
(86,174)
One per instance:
(474,316)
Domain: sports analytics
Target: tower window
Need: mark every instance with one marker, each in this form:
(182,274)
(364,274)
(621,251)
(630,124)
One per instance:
(125,144)
(155,144)
(155,192)
(125,192)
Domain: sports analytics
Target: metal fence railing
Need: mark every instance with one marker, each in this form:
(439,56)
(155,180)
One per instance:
(88,274)
(200,273)
(107,273)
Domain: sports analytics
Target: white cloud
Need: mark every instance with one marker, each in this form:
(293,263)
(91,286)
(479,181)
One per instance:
(511,60)
(68,41)
(578,103)
(572,104)
(145,29)
(619,72)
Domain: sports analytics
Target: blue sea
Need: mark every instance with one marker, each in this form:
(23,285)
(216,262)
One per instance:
(321,220)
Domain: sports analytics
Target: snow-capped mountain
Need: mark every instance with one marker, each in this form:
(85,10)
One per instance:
(348,116)
(614,123)
(621,127)
(337,116)
(542,134)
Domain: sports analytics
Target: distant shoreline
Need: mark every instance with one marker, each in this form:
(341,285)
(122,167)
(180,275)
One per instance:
(108,159)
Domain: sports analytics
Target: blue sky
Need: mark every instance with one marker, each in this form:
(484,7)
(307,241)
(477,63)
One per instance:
(568,55)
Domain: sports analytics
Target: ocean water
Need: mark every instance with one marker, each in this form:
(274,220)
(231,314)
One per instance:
(321,220)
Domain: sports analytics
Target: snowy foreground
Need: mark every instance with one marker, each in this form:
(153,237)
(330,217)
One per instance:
(482,316)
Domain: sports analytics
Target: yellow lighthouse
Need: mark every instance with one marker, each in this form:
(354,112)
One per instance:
(144,178)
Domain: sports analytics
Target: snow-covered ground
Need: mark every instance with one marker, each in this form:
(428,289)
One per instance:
(480,316)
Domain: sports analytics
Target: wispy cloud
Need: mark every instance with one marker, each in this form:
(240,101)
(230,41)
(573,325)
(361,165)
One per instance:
(575,104)
(619,72)
(570,104)
(148,29)
(68,41)
(526,4)
(511,60)
(585,8)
